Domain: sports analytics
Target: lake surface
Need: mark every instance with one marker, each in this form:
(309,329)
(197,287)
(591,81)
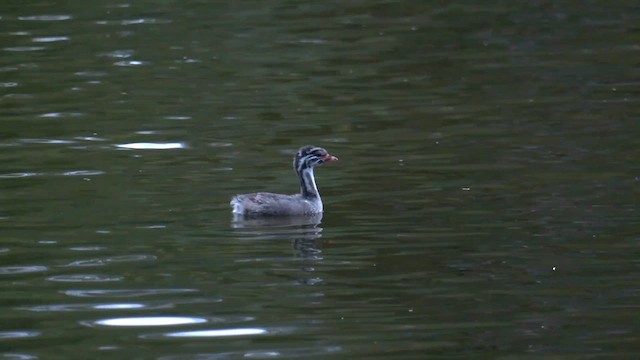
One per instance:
(485,204)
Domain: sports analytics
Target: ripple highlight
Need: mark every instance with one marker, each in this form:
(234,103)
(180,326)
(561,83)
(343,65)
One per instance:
(18,334)
(18,175)
(47,39)
(11,270)
(83,173)
(125,293)
(110,260)
(150,321)
(84,307)
(152,146)
(218,332)
(84,278)
(45,18)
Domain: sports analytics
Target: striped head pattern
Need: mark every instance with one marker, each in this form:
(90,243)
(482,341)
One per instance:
(309,156)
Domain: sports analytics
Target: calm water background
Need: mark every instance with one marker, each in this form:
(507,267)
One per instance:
(485,204)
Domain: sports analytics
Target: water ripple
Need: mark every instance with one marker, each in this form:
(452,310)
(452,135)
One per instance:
(87,248)
(10,270)
(89,138)
(152,146)
(114,259)
(18,334)
(125,293)
(122,306)
(47,39)
(18,175)
(218,332)
(84,278)
(82,173)
(128,22)
(91,73)
(46,141)
(178,117)
(320,352)
(220,144)
(312,41)
(45,18)
(129,63)
(18,356)
(87,307)
(149,321)
(129,306)
(60,114)
(119,54)
(24,48)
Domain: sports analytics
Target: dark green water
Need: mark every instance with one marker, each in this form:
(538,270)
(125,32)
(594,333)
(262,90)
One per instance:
(485,205)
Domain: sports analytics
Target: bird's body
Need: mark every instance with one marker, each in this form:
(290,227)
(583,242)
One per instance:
(307,202)
(269,204)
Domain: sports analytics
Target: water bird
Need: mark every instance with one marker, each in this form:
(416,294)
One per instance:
(307,202)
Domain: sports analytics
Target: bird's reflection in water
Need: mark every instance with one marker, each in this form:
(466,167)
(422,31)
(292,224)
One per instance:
(304,231)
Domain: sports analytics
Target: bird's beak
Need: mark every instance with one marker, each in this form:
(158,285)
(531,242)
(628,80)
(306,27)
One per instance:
(329,158)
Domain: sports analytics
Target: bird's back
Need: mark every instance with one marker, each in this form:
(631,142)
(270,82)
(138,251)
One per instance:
(269,204)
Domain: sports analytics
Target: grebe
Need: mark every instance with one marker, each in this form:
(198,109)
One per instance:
(307,202)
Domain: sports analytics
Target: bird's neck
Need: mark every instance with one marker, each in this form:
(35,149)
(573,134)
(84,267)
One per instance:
(308,187)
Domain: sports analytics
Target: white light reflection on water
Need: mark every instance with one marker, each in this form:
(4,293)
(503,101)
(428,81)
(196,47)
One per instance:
(18,334)
(18,175)
(66,173)
(82,173)
(288,353)
(118,306)
(87,248)
(47,141)
(128,22)
(24,48)
(50,39)
(129,63)
(88,307)
(10,270)
(45,18)
(19,356)
(112,259)
(218,332)
(59,115)
(84,278)
(152,146)
(150,321)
